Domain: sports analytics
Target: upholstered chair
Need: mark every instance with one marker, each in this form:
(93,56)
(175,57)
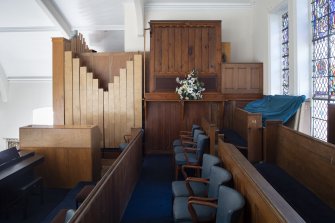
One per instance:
(194,186)
(218,176)
(185,135)
(190,155)
(188,143)
(229,206)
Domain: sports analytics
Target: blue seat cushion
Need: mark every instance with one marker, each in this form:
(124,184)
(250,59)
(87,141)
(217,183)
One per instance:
(179,189)
(181,213)
(233,137)
(181,160)
(178,149)
(122,146)
(302,200)
(176,142)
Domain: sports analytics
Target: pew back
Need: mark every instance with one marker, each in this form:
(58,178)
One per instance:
(263,203)
(309,160)
(210,130)
(109,198)
(249,126)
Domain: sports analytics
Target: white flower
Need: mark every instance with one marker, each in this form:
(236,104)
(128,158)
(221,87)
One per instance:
(190,88)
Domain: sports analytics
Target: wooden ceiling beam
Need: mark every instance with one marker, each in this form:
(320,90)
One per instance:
(56,17)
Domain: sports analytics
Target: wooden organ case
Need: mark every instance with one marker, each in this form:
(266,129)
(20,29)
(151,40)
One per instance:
(177,47)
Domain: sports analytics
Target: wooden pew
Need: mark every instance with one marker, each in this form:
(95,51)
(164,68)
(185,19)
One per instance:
(308,160)
(210,130)
(249,126)
(263,203)
(109,198)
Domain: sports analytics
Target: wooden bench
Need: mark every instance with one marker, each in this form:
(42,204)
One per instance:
(263,203)
(246,129)
(109,198)
(309,162)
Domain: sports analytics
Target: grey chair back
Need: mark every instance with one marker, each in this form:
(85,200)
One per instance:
(194,127)
(207,162)
(230,205)
(197,132)
(202,144)
(218,176)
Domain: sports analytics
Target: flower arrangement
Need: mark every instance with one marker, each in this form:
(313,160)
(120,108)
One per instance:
(190,88)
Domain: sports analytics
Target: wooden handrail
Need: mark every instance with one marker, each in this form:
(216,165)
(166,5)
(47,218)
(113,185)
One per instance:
(109,198)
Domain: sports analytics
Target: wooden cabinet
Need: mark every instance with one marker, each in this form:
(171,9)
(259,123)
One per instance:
(242,78)
(177,47)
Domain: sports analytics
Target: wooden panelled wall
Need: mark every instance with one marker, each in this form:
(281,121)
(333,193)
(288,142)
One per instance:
(176,47)
(115,110)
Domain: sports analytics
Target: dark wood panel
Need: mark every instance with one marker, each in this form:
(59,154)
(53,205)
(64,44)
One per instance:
(197,49)
(164,120)
(212,50)
(204,50)
(177,50)
(191,44)
(165,50)
(184,45)
(158,50)
(184,50)
(171,50)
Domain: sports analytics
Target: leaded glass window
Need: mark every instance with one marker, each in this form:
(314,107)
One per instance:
(323,23)
(285,49)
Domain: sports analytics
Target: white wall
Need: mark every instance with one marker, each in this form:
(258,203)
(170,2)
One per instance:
(23,98)
(237,26)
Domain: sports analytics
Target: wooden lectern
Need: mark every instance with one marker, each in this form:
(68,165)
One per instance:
(72,153)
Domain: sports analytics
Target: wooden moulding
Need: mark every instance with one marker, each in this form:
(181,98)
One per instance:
(263,203)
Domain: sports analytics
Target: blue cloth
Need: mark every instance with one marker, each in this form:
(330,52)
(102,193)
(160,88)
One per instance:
(276,107)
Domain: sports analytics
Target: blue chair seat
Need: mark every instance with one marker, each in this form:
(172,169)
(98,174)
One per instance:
(178,149)
(181,213)
(180,158)
(122,146)
(176,142)
(179,189)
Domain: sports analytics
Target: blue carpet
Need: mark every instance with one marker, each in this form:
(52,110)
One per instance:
(151,200)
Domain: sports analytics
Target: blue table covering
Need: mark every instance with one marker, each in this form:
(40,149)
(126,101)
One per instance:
(276,107)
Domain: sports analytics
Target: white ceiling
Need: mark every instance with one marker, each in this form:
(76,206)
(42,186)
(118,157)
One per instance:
(26,30)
